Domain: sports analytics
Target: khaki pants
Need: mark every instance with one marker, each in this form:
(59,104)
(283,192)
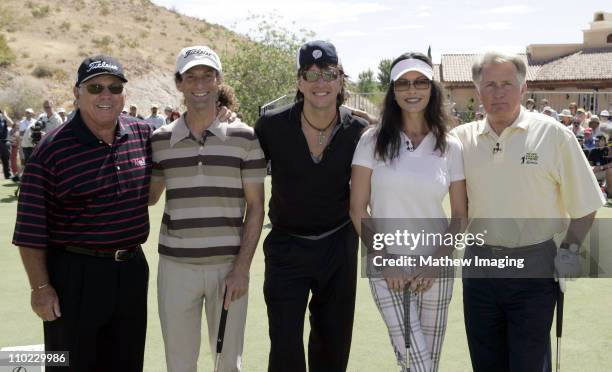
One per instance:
(182,289)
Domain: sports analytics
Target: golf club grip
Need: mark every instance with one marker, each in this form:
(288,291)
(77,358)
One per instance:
(221,333)
(560,300)
(407,317)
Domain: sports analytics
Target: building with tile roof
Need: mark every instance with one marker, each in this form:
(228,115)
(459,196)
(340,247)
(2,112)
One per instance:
(561,73)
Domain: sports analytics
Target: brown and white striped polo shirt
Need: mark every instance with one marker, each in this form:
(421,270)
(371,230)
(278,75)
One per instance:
(204,179)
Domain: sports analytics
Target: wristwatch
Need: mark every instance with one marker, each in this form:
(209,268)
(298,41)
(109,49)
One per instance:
(573,247)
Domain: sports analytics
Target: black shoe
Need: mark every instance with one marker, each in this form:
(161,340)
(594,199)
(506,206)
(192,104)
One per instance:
(15,178)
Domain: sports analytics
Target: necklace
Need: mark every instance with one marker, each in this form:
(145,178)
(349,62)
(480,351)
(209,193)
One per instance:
(321,136)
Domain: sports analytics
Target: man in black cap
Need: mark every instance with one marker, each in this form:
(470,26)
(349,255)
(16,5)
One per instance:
(81,217)
(312,248)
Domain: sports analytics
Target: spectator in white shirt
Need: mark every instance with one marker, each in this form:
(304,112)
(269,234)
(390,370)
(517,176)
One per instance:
(156,120)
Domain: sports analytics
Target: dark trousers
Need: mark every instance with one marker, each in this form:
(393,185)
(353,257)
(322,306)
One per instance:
(508,322)
(104,311)
(27,152)
(296,267)
(4,157)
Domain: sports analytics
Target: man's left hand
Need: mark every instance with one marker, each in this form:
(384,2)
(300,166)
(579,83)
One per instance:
(237,284)
(567,264)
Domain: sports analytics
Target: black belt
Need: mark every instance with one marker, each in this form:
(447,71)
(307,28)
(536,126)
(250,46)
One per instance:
(499,251)
(118,255)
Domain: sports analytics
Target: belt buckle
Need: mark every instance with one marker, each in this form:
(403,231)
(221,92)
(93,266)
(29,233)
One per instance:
(120,252)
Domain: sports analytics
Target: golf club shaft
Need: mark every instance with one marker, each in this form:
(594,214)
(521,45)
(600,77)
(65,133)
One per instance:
(560,300)
(221,332)
(407,325)
(558,354)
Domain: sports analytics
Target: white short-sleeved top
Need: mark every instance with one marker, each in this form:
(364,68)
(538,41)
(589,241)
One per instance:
(414,184)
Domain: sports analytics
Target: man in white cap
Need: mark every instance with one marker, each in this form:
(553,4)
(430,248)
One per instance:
(566,117)
(605,124)
(212,171)
(25,145)
(62,114)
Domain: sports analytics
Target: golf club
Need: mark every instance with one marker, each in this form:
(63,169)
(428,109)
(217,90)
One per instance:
(407,325)
(560,298)
(221,333)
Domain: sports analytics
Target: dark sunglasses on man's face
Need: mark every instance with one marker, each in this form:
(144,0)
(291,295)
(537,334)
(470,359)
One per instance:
(419,84)
(327,75)
(99,88)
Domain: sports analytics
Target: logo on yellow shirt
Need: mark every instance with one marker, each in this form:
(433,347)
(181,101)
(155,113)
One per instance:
(530,158)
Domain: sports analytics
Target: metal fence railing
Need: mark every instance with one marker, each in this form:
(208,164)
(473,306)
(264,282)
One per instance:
(278,102)
(591,100)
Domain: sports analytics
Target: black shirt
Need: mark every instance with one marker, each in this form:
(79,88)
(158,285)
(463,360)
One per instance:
(79,191)
(599,156)
(308,198)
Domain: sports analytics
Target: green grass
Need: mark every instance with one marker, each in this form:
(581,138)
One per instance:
(587,337)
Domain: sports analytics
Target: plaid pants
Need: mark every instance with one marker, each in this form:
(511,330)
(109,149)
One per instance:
(428,315)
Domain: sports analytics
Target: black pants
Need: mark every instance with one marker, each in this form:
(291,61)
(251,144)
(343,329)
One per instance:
(4,157)
(27,152)
(104,312)
(508,322)
(294,268)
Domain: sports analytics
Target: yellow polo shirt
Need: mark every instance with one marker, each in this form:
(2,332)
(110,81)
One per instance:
(527,180)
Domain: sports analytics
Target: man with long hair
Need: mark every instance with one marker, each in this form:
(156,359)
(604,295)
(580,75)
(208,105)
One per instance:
(312,248)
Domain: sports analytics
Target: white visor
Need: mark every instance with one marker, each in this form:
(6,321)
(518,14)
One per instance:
(411,64)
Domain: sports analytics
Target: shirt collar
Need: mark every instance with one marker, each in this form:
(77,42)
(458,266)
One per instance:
(86,137)
(346,115)
(181,131)
(520,122)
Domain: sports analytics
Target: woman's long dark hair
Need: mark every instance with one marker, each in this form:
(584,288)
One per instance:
(388,136)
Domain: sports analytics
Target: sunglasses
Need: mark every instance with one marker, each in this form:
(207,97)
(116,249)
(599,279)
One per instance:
(403,85)
(99,88)
(327,75)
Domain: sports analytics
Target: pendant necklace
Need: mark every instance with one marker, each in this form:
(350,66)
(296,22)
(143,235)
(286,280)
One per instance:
(321,136)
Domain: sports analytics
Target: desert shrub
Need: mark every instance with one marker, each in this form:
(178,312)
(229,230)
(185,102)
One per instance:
(21,93)
(41,11)
(7,57)
(42,72)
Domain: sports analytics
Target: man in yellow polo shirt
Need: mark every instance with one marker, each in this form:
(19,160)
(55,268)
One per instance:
(529,169)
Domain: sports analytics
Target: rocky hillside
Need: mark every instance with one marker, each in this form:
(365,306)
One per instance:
(49,38)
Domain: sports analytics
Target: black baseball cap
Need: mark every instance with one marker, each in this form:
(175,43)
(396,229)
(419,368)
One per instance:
(99,65)
(317,52)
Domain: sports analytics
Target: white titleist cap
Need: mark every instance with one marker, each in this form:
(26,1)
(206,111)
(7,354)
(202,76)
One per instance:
(411,64)
(198,55)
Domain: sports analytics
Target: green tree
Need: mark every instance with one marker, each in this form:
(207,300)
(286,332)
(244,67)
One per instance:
(384,74)
(365,82)
(261,66)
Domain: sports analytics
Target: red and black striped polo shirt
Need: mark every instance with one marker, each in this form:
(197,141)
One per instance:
(77,190)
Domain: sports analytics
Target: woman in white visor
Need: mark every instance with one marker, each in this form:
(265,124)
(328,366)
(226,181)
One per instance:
(403,168)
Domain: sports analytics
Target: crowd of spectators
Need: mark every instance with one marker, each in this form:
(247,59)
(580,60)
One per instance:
(593,132)
(19,137)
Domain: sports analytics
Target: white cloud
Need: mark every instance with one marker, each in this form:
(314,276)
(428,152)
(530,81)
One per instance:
(350,34)
(510,9)
(402,27)
(488,26)
(424,14)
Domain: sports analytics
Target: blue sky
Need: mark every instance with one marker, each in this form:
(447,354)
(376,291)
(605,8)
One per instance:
(365,31)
